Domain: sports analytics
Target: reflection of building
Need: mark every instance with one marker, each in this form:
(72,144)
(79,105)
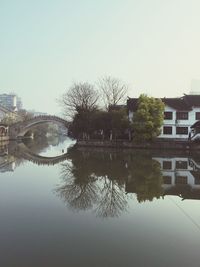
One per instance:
(181,176)
(7,166)
(179,115)
(7,161)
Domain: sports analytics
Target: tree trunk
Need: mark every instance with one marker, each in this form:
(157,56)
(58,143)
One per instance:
(129,135)
(111,135)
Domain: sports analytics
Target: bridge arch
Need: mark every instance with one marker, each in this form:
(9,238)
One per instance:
(3,130)
(21,128)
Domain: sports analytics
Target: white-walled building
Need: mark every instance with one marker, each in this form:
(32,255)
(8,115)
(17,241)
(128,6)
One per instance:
(7,114)
(179,115)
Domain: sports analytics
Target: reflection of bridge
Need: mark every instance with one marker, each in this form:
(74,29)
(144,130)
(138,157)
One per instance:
(19,129)
(25,153)
(21,151)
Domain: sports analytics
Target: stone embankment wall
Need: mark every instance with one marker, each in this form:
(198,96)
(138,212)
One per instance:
(160,144)
(4,138)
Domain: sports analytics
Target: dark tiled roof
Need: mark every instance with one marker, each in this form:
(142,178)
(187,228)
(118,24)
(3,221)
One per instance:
(184,103)
(117,107)
(176,103)
(192,100)
(196,125)
(132,104)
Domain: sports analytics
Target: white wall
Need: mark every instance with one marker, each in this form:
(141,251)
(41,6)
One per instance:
(179,123)
(175,123)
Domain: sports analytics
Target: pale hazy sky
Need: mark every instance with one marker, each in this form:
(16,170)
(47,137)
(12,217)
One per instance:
(45,45)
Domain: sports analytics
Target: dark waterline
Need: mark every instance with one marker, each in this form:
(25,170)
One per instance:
(66,206)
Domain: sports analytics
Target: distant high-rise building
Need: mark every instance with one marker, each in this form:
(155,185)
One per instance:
(11,102)
(19,103)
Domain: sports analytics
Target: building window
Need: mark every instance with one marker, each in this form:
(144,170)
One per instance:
(182,130)
(181,165)
(181,179)
(168,115)
(167,179)
(182,115)
(167,165)
(197,115)
(167,130)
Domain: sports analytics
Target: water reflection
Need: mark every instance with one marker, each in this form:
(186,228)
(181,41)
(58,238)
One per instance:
(8,160)
(13,154)
(105,180)
(101,180)
(144,178)
(181,176)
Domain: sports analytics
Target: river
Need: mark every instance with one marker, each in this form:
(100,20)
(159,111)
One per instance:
(66,206)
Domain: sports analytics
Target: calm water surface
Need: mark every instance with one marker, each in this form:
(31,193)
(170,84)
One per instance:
(64,206)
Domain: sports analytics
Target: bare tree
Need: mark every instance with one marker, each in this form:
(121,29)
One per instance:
(79,96)
(25,115)
(114,91)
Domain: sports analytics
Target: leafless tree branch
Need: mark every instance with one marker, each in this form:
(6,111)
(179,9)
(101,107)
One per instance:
(79,96)
(114,91)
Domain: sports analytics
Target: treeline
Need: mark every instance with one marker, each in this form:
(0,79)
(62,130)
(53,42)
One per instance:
(100,112)
(99,124)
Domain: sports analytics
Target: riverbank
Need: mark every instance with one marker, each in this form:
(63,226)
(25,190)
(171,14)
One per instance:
(4,138)
(158,144)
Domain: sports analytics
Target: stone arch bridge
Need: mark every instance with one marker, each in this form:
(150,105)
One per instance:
(19,129)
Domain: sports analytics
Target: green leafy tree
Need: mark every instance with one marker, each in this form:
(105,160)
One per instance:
(82,125)
(102,124)
(119,123)
(148,118)
(112,124)
(99,124)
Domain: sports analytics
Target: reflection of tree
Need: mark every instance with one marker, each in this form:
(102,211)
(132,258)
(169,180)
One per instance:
(94,179)
(80,194)
(97,180)
(145,178)
(113,199)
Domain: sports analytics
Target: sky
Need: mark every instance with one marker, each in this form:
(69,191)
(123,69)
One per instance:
(46,45)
